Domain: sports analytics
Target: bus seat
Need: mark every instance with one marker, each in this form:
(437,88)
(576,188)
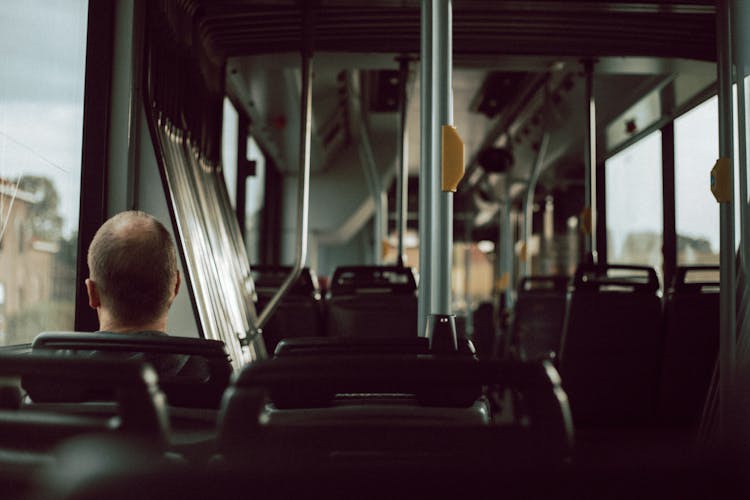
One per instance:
(339,410)
(192,372)
(485,330)
(300,312)
(30,433)
(372,301)
(313,346)
(612,343)
(691,344)
(539,315)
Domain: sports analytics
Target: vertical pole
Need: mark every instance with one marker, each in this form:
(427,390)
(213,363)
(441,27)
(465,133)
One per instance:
(589,160)
(468,226)
(740,18)
(668,195)
(528,204)
(303,186)
(442,208)
(402,176)
(242,174)
(506,229)
(425,170)
(739,55)
(727,343)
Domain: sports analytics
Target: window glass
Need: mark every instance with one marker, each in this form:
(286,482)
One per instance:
(697,214)
(634,204)
(255,198)
(229,132)
(41,124)
(479,263)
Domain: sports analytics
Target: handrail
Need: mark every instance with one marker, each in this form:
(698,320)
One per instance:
(727,295)
(369,166)
(402,177)
(303,186)
(528,202)
(589,158)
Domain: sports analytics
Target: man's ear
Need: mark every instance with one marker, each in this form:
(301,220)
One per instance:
(94,300)
(176,285)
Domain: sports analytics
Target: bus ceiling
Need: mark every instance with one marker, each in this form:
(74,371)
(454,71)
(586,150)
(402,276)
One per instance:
(518,74)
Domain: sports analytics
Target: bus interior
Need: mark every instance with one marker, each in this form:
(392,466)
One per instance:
(428,248)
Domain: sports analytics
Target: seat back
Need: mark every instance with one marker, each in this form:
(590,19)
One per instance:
(300,312)
(612,344)
(539,316)
(141,405)
(372,302)
(294,411)
(192,372)
(326,346)
(691,343)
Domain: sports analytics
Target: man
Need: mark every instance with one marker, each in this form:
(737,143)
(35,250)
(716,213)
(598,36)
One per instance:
(133,276)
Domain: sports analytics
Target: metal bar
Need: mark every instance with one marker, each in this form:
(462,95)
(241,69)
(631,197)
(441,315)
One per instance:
(669,246)
(402,172)
(528,202)
(370,168)
(739,56)
(92,208)
(442,210)
(241,185)
(135,103)
(303,186)
(506,255)
(425,169)
(589,158)
(727,342)
(469,322)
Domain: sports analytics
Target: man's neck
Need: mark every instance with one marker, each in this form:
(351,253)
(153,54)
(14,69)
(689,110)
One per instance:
(108,324)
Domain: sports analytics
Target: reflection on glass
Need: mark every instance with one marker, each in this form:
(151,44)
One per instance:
(41,123)
(480,279)
(255,186)
(634,204)
(697,214)
(229,149)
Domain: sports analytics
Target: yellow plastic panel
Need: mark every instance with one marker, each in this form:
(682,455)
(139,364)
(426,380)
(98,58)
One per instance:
(721,185)
(586,220)
(503,282)
(453,159)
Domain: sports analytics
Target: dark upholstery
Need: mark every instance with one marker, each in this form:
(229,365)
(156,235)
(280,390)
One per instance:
(192,372)
(539,315)
(612,345)
(540,427)
(300,312)
(372,302)
(141,404)
(326,346)
(691,344)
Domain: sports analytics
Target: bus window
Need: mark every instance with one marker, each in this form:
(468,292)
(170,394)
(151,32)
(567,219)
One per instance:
(41,125)
(634,204)
(254,199)
(229,149)
(697,215)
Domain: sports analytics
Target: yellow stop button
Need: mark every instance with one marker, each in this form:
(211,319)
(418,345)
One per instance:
(721,180)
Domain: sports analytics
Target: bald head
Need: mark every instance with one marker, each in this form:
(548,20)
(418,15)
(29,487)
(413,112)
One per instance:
(133,266)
